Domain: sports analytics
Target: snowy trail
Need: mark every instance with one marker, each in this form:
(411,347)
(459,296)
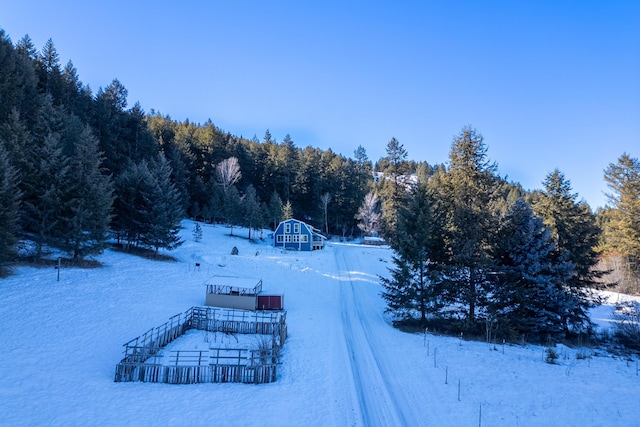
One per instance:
(381,401)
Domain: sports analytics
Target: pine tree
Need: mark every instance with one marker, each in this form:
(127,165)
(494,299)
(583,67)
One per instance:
(46,194)
(18,90)
(85,221)
(287,163)
(197,232)
(9,204)
(18,144)
(414,286)
(49,67)
(232,208)
(392,188)
(308,184)
(622,230)
(131,201)
(275,210)
(529,297)
(252,213)
(466,193)
(164,210)
(574,229)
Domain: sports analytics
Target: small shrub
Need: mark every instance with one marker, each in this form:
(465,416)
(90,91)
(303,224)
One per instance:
(552,356)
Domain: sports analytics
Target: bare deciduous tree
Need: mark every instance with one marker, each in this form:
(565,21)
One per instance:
(324,201)
(228,173)
(369,214)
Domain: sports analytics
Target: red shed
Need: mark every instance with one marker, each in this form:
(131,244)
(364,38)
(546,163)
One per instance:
(270,302)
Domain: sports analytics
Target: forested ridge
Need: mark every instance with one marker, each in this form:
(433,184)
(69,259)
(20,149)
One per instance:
(80,169)
(136,174)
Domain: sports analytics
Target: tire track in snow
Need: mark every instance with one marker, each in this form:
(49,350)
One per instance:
(378,399)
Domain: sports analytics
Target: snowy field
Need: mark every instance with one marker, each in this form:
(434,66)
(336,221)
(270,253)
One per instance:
(343,364)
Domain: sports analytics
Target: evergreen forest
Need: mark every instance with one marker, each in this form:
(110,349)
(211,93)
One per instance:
(81,170)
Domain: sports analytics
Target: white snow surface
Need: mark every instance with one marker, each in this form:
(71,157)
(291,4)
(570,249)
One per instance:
(343,364)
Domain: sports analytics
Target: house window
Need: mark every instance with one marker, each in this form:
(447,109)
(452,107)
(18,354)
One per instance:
(296,238)
(287,238)
(280,239)
(304,238)
(296,228)
(287,228)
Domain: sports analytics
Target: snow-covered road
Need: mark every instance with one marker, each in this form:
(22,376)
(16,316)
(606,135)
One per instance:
(381,401)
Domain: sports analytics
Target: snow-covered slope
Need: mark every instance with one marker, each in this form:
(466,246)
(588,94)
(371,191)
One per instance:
(343,365)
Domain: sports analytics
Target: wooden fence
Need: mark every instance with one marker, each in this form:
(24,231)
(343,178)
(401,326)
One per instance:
(126,372)
(215,365)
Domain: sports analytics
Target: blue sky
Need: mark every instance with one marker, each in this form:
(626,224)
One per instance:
(550,84)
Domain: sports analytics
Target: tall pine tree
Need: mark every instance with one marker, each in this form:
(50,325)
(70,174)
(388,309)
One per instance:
(413,288)
(87,213)
(529,297)
(466,194)
(9,203)
(622,230)
(574,229)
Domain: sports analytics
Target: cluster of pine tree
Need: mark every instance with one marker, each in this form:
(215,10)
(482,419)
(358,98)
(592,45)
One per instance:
(77,168)
(481,253)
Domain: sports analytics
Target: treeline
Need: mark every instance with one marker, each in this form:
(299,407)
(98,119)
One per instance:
(78,168)
(475,253)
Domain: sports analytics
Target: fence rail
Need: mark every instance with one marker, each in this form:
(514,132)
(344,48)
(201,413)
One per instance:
(216,365)
(128,372)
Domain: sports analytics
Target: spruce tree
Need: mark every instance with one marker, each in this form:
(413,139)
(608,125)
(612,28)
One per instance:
(232,208)
(134,195)
(164,210)
(573,227)
(48,66)
(46,204)
(622,230)
(392,188)
(414,286)
(85,221)
(465,195)
(252,214)
(197,232)
(529,297)
(9,204)
(275,210)
(18,87)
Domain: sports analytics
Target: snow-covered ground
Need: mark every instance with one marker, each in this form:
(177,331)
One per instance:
(343,364)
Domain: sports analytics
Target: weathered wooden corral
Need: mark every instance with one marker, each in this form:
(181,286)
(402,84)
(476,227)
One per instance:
(207,366)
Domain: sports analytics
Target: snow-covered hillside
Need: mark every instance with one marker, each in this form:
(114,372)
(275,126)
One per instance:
(343,364)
